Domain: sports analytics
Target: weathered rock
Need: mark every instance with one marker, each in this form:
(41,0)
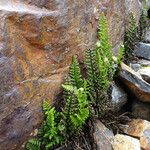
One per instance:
(141,110)
(145,73)
(147,36)
(38,39)
(140,129)
(124,142)
(142,50)
(103,136)
(134,82)
(119,97)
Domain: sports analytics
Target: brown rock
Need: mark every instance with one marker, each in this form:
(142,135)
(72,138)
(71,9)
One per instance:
(134,82)
(37,41)
(124,142)
(140,129)
(141,110)
(103,137)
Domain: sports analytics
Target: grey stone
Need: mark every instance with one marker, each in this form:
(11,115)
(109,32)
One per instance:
(103,136)
(142,50)
(141,110)
(119,97)
(135,67)
(147,36)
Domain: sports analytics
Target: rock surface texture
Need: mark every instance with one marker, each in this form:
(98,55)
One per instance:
(140,129)
(37,41)
(124,142)
(103,137)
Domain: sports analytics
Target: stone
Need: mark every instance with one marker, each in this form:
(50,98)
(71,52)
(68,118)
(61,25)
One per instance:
(103,137)
(145,73)
(124,142)
(119,97)
(135,67)
(140,129)
(38,39)
(142,50)
(147,36)
(141,110)
(134,82)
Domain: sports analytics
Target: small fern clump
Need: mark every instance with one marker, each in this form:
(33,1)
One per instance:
(51,132)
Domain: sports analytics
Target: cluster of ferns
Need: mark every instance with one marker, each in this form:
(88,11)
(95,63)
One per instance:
(84,97)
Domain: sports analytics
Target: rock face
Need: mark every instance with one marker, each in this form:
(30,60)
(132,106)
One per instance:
(37,41)
(134,82)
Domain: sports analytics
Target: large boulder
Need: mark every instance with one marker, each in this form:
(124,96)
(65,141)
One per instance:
(38,39)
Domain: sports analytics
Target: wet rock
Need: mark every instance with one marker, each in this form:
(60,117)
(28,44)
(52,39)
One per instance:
(119,97)
(140,129)
(134,82)
(142,50)
(38,39)
(103,137)
(124,142)
(141,110)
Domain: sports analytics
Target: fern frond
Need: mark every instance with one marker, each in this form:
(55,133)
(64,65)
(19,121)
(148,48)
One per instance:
(75,77)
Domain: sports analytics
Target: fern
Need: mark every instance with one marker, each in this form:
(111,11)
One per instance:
(51,130)
(130,37)
(33,144)
(71,103)
(143,24)
(75,77)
